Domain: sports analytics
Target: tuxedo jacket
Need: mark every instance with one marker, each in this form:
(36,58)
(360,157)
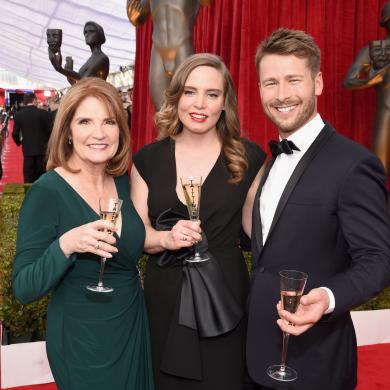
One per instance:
(32,125)
(331,222)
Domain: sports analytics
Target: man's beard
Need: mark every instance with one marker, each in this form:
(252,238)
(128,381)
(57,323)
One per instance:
(306,113)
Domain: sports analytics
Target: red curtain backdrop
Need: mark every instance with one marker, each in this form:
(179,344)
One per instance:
(234,28)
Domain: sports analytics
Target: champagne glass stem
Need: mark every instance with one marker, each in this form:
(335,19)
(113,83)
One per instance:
(196,248)
(286,337)
(102,264)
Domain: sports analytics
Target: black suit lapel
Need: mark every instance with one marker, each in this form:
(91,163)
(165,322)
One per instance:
(257,234)
(315,147)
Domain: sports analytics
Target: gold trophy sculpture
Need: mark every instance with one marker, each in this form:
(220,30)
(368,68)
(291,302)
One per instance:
(372,68)
(172,38)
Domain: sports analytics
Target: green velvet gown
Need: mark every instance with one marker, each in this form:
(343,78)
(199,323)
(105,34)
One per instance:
(94,341)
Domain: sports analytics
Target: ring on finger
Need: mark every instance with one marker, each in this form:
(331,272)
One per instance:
(97,245)
(184,238)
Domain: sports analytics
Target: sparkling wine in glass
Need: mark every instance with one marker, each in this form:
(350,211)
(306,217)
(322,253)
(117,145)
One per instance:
(292,284)
(109,209)
(192,188)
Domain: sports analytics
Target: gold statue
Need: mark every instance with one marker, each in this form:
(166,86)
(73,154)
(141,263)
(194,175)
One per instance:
(172,39)
(372,68)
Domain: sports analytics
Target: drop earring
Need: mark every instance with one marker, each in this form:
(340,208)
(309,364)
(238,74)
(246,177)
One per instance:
(69,141)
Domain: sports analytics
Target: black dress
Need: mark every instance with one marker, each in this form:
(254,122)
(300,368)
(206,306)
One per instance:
(182,359)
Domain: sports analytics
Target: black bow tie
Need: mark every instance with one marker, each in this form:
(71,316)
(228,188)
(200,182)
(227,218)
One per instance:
(284,146)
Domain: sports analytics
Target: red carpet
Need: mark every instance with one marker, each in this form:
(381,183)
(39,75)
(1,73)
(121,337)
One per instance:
(374,367)
(49,386)
(12,161)
(373,370)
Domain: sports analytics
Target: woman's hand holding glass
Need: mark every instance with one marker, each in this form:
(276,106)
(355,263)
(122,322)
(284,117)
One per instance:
(183,235)
(92,238)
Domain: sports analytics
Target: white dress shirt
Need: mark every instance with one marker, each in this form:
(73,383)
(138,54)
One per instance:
(280,174)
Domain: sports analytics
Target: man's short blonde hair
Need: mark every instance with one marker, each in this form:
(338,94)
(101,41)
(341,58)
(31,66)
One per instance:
(291,42)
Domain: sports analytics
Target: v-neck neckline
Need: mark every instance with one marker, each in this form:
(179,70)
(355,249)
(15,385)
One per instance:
(204,182)
(85,202)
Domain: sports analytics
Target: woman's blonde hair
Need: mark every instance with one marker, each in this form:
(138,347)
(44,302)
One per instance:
(59,148)
(228,126)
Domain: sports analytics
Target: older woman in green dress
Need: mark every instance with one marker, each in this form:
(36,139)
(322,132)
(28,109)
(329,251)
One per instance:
(94,341)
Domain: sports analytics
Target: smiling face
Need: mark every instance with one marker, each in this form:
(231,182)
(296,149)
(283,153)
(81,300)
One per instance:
(94,133)
(202,101)
(288,91)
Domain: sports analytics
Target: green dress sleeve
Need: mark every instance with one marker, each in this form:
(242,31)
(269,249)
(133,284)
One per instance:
(39,262)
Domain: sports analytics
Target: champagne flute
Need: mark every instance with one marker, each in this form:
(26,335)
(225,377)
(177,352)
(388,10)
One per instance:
(109,209)
(292,284)
(192,187)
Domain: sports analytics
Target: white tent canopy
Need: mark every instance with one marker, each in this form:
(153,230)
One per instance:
(23,47)
(10,80)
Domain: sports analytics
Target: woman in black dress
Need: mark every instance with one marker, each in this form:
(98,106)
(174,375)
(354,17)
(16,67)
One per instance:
(196,312)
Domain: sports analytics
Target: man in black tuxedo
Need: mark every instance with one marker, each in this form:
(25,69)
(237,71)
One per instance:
(321,208)
(31,130)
